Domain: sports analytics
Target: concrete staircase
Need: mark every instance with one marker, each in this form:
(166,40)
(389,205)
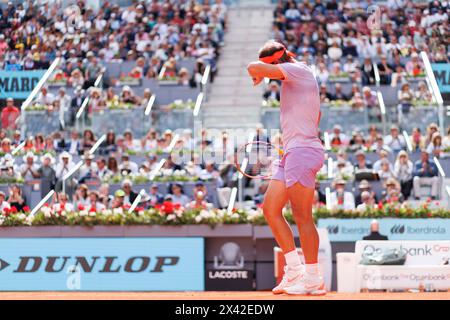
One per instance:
(233,101)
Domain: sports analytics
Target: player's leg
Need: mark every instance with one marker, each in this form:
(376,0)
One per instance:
(274,201)
(301,167)
(301,199)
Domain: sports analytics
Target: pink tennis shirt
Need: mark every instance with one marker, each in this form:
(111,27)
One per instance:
(300,106)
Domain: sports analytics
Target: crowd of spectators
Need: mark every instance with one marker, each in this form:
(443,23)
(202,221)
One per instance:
(342,40)
(401,178)
(151,33)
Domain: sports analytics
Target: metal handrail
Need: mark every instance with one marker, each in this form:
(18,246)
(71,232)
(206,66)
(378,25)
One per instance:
(434,89)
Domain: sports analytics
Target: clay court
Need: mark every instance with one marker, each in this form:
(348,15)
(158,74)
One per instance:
(216,295)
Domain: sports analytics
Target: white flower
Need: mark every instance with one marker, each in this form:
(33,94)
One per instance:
(106,212)
(29,220)
(64,213)
(171,217)
(83,213)
(198,219)
(22,216)
(118,211)
(235,216)
(1,220)
(92,213)
(47,211)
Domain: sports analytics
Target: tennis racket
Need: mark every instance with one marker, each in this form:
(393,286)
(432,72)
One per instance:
(255,159)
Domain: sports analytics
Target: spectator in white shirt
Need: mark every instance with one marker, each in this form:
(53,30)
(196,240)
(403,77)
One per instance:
(3,204)
(341,198)
(29,169)
(395,141)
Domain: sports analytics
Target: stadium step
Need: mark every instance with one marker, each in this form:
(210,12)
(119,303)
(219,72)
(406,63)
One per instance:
(233,101)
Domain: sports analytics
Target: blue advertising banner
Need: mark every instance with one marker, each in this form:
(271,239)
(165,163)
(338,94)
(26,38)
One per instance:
(442,74)
(102,264)
(342,230)
(18,84)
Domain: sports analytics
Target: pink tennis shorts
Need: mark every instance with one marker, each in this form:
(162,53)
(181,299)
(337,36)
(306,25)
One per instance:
(299,165)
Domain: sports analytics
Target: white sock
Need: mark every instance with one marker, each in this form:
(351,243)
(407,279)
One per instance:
(293,259)
(312,268)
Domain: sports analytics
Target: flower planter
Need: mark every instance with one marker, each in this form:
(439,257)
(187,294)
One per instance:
(30,232)
(222,230)
(155,231)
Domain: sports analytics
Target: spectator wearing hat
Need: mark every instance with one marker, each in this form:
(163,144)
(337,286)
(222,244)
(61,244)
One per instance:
(364,186)
(386,171)
(403,170)
(177,194)
(3,204)
(361,162)
(65,164)
(343,168)
(394,140)
(8,169)
(367,201)
(340,198)
(435,147)
(425,173)
(9,115)
(392,192)
(89,169)
(118,201)
(29,169)
(383,155)
(130,195)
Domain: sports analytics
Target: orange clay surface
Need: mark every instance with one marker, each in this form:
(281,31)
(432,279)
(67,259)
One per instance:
(215,295)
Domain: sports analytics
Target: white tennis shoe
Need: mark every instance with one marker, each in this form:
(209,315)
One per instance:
(290,277)
(309,284)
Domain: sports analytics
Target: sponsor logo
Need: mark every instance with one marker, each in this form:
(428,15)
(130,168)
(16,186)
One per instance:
(425,250)
(333,229)
(228,274)
(107,264)
(398,228)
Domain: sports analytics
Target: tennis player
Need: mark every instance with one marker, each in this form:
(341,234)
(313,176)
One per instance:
(294,176)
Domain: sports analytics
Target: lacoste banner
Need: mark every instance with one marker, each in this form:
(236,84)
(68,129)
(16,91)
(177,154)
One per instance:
(342,230)
(18,84)
(102,264)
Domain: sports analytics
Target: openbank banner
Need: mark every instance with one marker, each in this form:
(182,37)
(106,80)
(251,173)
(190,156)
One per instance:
(442,74)
(418,252)
(102,264)
(401,277)
(342,230)
(18,84)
